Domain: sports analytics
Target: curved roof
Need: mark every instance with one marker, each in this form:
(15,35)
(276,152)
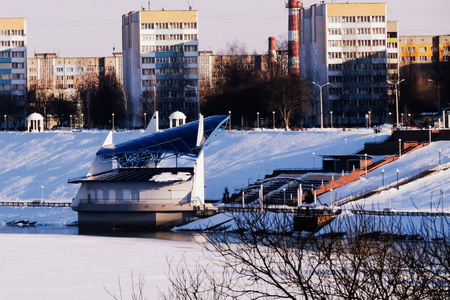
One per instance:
(177,115)
(180,140)
(35,116)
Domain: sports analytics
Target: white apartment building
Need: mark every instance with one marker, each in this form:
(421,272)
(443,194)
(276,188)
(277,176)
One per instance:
(160,64)
(13,66)
(345,47)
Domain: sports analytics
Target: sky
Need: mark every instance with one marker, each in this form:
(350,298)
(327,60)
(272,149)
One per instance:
(93,28)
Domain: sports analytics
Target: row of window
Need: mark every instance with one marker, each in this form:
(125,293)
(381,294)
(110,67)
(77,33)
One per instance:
(419,58)
(168,37)
(12,76)
(172,82)
(359,78)
(13,87)
(356,43)
(12,32)
(356,67)
(11,43)
(357,19)
(355,55)
(169,25)
(167,48)
(413,49)
(353,31)
(167,60)
(356,90)
(12,54)
(392,45)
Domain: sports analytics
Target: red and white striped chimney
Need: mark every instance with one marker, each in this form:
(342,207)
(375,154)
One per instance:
(293,37)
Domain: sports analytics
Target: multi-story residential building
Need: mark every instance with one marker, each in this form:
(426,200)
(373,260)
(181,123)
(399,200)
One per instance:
(424,49)
(13,70)
(59,77)
(345,45)
(160,52)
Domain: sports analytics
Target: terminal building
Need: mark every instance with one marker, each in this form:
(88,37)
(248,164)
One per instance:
(160,57)
(127,188)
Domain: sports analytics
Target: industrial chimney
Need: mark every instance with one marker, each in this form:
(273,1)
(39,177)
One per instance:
(293,37)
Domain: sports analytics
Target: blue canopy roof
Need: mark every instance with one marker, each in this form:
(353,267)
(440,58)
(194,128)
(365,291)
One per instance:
(178,141)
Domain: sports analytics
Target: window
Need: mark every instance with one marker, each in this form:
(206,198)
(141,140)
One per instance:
(422,58)
(70,69)
(148,71)
(411,49)
(70,86)
(70,77)
(147,26)
(148,60)
(59,69)
(423,49)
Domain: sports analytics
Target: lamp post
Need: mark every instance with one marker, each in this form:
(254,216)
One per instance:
(402,119)
(257,119)
(273,113)
(438,91)
(112,117)
(284,196)
(429,134)
(5,122)
(331,118)
(399,148)
(397,179)
(331,198)
(396,84)
(382,177)
(82,122)
(439,156)
(314,155)
(321,102)
(389,118)
(70,122)
(145,120)
(229,117)
(42,193)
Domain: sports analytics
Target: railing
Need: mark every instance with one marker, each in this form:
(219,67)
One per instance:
(35,204)
(399,213)
(129,201)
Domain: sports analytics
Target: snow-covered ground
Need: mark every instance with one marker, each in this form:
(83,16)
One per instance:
(77,267)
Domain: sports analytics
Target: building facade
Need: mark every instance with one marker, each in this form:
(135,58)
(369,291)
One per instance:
(424,49)
(160,52)
(59,77)
(13,71)
(345,46)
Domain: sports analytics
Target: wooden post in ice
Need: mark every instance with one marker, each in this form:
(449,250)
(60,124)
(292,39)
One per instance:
(261,198)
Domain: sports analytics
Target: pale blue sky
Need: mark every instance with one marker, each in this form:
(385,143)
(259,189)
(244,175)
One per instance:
(93,27)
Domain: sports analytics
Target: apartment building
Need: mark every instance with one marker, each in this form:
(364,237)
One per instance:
(343,48)
(160,52)
(59,77)
(424,49)
(13,70)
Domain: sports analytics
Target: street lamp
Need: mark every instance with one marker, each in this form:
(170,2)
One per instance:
(145,120)
(429,134)
(82,122)
(402,119)
(396,84)
(382,177)
(321,103)
(112,117)
(389,117)
(314,155)
(399,148)
(438,91)
(229,117)
(331,112)
(370,119)
(273,113)
(284,196)
(70,122)
(5,122)
(397,179)
(257,119)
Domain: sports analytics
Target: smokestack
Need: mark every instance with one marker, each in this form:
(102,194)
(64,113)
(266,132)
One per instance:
(293,37)
(272,49)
